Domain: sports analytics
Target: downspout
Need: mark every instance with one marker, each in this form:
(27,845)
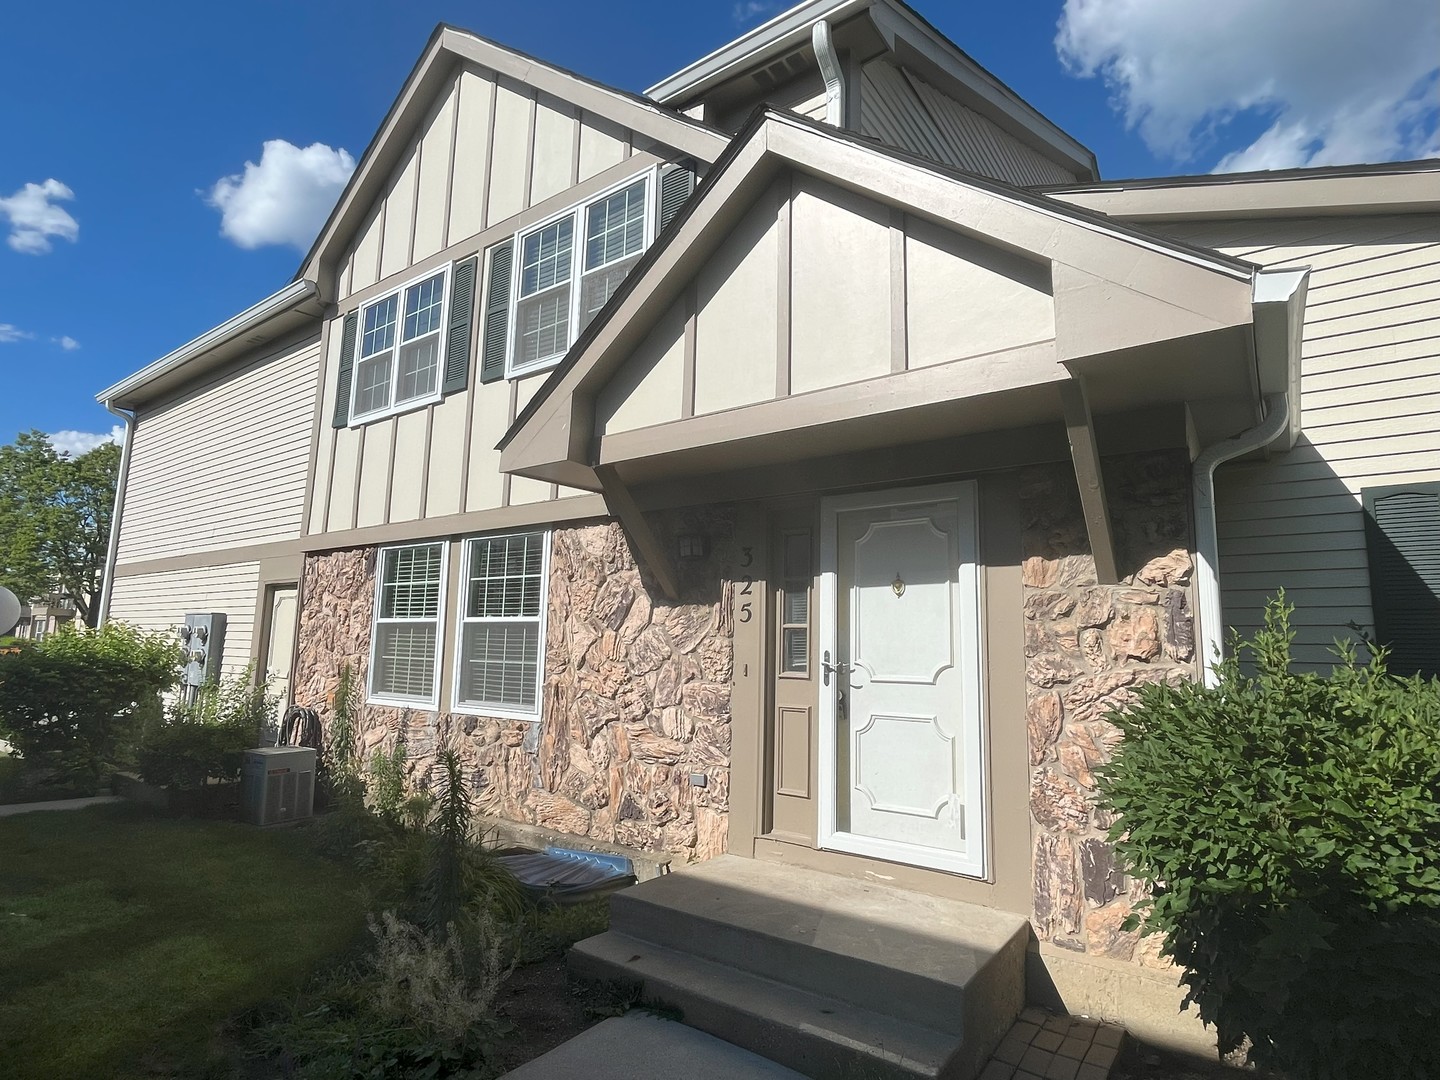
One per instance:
(107,581)
(831,72)
(1207,541)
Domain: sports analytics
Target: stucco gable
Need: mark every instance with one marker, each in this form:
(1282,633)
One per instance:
(429,100)
(838,304)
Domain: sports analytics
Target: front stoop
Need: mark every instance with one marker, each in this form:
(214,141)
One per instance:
(832,977)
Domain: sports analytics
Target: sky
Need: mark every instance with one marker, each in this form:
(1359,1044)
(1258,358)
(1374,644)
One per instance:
(165,165)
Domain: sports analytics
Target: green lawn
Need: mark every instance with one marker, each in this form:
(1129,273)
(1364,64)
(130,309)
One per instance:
(127,939)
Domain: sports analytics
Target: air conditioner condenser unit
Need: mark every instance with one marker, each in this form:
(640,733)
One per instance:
(277,784)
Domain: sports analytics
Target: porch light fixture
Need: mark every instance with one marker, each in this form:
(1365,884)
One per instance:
(692,546)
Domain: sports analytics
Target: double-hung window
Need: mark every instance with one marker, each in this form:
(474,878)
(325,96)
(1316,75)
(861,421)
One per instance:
(404,646)
(500,654)
(569,266)
(397,362)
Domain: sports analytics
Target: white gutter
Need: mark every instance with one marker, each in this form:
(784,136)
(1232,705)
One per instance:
(294,294)
(1207,541)
(108,578)
(824,45)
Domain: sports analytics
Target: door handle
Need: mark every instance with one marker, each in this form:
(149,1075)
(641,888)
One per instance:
(827,669)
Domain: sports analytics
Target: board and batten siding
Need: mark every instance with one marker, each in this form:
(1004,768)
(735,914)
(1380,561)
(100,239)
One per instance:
(493,157)
(903,110)
(223,464)
(160,601)
(775,314)
(1370,416)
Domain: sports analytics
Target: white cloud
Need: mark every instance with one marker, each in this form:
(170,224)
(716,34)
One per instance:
(9,332)
(34,217)
(284,199)
(1335,81)
(75,443)
(66,342)
(747,11)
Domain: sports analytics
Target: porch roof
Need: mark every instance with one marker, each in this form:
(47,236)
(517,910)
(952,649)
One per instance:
(1132,319)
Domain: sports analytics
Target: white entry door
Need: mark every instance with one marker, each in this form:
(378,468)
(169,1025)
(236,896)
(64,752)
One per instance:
(900,724)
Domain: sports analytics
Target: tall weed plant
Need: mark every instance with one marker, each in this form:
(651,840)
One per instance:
(1287,824)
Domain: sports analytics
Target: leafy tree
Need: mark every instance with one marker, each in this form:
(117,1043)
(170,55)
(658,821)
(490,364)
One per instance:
(55,513)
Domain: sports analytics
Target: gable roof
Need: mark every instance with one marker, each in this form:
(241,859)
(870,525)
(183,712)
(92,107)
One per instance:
(447,47)
(912,38)
(1007,216)
(745,140)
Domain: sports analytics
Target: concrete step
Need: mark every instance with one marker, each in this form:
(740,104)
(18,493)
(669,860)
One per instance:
(819,1036)
(942,964)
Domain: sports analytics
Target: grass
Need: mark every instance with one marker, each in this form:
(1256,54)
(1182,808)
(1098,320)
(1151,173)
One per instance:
(127,939)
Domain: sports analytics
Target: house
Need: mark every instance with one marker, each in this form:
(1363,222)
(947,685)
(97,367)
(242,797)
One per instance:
(41,616)
(797,462)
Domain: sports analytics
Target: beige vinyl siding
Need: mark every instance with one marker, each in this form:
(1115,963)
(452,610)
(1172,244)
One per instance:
(909,294)
(159,602)
(225,463)
(901,109)
(1370,414)
(493,157)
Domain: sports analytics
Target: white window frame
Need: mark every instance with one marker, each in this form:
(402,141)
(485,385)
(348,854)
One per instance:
(577,211)
(433,701)
(501,712)
(393,409)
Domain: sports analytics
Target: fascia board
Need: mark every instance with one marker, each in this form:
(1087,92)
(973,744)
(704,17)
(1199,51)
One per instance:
(247,322)
(1408,192)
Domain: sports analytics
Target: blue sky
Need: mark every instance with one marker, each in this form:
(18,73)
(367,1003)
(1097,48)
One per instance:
(117,122)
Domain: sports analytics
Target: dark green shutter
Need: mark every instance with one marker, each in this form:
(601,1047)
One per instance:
(1402,534)
(677,184)
(497,312)
(462,317)
(347,362)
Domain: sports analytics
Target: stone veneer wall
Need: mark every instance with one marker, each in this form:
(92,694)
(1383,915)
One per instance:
(1087,647)
(636,695)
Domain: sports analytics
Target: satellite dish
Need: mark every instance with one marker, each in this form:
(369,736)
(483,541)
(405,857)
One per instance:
(9,611)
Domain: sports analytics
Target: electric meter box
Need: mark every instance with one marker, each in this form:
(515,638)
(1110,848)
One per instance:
(202,642)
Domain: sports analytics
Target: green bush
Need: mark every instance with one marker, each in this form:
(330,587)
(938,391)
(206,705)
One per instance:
(205,739)
(1288,825)
(75,702)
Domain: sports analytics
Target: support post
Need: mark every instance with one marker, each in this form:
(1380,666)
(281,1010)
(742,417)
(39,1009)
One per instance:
(1080,427)
(626,510)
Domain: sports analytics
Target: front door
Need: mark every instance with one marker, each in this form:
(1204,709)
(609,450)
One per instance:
(900,700)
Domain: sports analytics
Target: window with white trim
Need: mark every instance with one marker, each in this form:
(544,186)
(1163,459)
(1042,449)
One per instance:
(569,266)
(500,653)
(398,351)
(405,638)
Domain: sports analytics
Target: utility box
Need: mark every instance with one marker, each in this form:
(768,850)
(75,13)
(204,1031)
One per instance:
(202,640)
(277,784)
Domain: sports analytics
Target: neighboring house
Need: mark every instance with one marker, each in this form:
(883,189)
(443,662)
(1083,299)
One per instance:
(820,515)
(43,615)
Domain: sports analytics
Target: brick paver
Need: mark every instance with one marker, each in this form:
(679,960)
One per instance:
(1041,1046)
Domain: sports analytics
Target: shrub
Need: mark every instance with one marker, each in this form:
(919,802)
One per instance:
(386,782)
(74,702)
(206,738)
(1288,825)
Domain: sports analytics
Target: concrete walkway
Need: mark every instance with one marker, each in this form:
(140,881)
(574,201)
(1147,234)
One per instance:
(640,1046)
(11,809)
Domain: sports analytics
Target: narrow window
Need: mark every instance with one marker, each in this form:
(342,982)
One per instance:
(614,240)
(542,317)
(398,361)
(501,660)
(405,642)
(795,604)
